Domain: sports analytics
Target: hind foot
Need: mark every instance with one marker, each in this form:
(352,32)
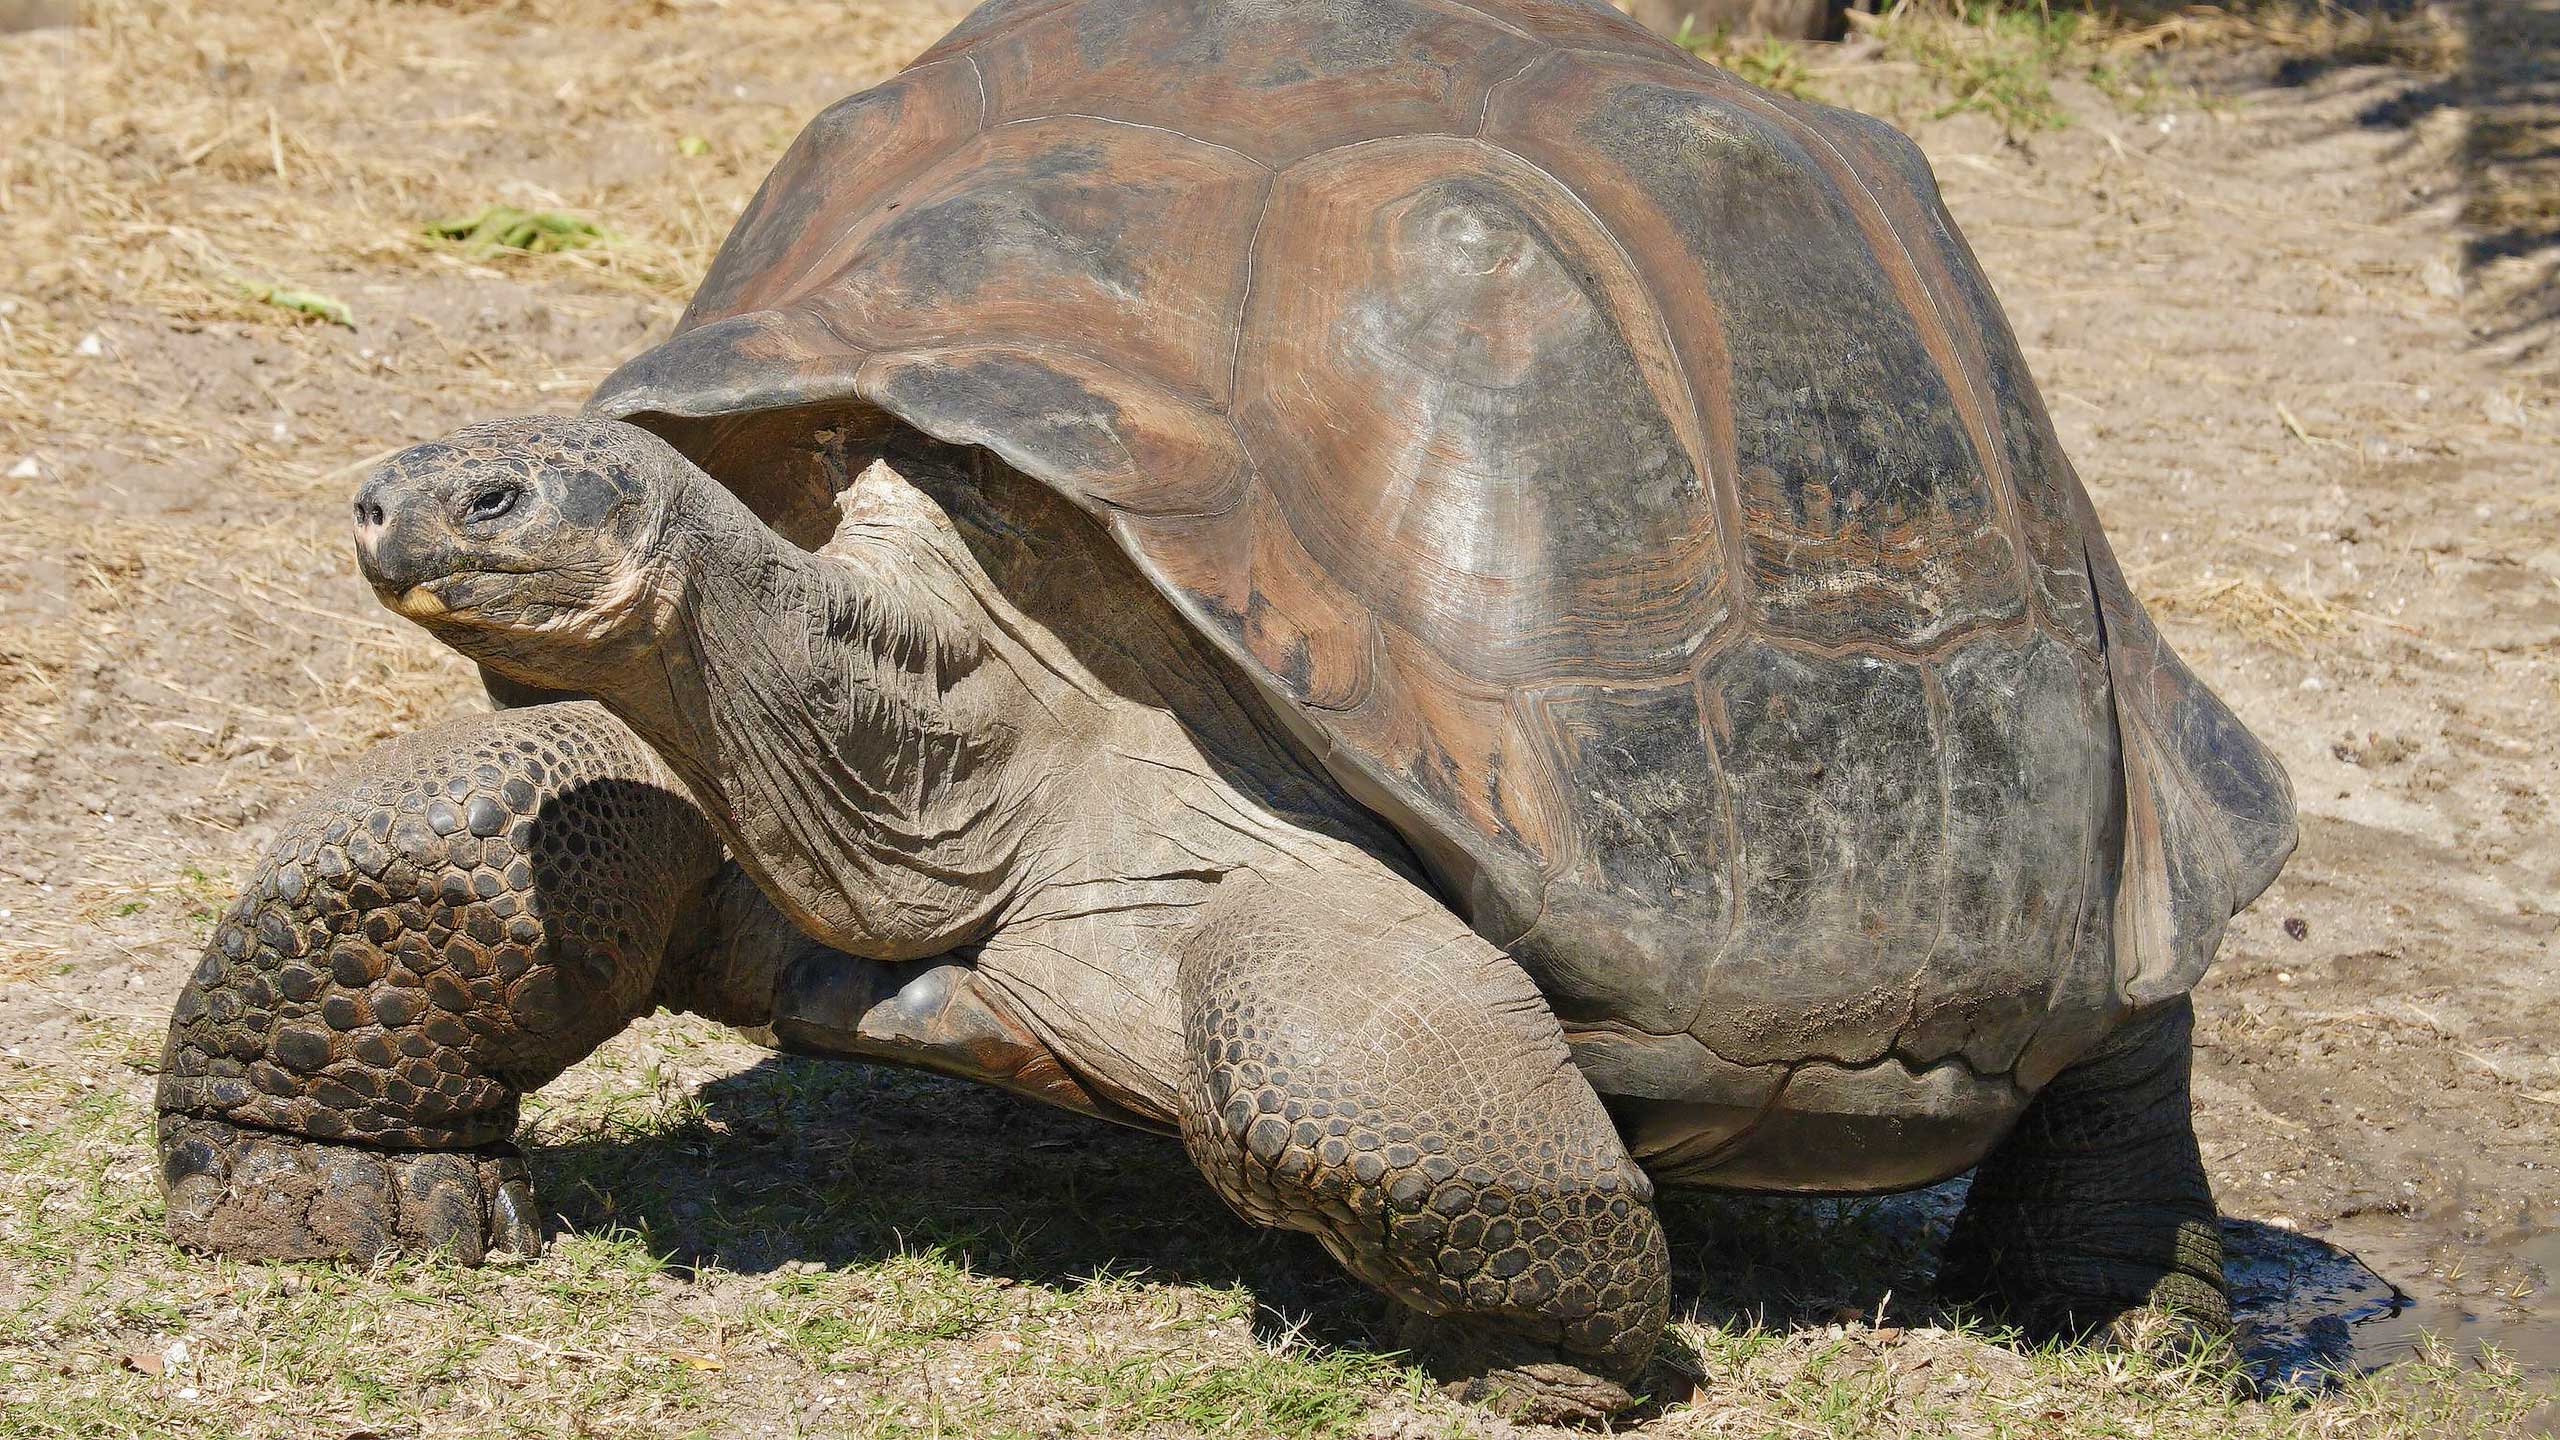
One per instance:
(2094,1217)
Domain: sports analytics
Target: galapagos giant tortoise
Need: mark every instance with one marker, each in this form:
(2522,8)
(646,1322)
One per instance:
(1471,613)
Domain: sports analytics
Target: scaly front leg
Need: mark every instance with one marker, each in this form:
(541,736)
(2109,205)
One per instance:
(1365,1068)
(484,904)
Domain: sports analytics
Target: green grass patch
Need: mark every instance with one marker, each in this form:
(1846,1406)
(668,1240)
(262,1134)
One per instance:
(866,1316)
(504,227)
(2003,58)
(1768,62)
(1999,60)
(309,304)
(1306,1394)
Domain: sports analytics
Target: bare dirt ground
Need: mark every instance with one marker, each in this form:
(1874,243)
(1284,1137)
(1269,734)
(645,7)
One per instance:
(2292,306)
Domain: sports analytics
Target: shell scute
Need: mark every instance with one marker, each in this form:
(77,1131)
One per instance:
(1997,395)
(1439,354)
(1865,511)
(1274,79)
(1141,448)
(814,206)
(1068,235)
(1643,902)
(1839,814)
(2209,813)
(2029,759)
(1253,584)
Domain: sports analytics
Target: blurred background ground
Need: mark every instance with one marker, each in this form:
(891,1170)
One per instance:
(2284,271)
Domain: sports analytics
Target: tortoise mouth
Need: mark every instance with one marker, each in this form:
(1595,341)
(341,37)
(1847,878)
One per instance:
(421,602)
(457,596)
(519,607)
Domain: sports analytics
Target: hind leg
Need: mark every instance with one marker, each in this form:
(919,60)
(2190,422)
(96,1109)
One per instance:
(1364,1068)
(481,906)
(2096,1207)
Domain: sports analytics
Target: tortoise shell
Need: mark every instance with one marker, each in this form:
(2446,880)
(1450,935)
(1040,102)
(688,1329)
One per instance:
(1620,477)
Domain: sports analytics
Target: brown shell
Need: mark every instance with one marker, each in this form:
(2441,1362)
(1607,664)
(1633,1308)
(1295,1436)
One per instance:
(1621,477)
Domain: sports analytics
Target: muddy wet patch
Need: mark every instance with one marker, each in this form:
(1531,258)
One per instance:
(2493,1293)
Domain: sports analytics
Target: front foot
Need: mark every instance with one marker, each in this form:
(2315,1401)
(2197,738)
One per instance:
(1510,1374)
(263,1195)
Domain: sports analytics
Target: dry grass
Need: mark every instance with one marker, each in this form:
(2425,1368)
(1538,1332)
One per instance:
(2426,39)
(2259,609)
(182,187)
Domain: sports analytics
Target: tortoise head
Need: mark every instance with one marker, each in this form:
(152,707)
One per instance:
(538,546)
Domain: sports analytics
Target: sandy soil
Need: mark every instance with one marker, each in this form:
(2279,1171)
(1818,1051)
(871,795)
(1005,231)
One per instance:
(2315,412)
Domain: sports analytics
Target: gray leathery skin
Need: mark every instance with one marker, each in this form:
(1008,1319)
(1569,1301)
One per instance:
(956,781)
(2096,1206)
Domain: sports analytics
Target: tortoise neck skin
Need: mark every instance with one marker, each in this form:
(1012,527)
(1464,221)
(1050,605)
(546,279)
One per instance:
(908,764)
(837,718)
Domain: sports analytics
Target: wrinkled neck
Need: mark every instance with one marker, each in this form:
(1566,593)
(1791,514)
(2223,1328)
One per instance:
(833,715)
(741,589)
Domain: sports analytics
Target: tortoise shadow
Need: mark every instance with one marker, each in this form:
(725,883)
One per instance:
(845,1164)
(2499,83)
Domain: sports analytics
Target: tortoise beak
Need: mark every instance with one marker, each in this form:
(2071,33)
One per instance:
(404,544)
(419,602)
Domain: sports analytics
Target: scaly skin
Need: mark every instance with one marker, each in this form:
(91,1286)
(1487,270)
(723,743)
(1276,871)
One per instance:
(259,1195)
(2096,1207)
(486,902)
(1364,1068)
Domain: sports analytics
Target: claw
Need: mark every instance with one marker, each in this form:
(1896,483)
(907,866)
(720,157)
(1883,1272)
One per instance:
(515,1225)
(440,1206)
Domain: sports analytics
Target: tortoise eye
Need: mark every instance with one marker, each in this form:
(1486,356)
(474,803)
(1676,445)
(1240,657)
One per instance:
(491,503)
